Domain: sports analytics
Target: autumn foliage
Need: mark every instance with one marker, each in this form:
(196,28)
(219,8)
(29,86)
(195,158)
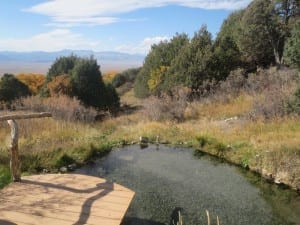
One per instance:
(60,85)
(33,81)
(109,76)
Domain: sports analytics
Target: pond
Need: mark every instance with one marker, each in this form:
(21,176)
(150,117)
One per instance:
(168,179)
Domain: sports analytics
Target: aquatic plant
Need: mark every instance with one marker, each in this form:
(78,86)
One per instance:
(180,220)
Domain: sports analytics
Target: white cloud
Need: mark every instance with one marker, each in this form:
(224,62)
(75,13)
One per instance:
(75,21)
(98,12)
(143,47)
(60,39)
(54,40)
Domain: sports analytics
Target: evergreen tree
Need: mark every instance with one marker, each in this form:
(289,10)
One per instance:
(225,58)
(62,65)
(161,55)
(190,67)
(254,40)
(292,51)
(11,88)
(86,82)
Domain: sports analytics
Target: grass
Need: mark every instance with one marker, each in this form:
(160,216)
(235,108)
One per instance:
(5,177)
(50,144)
(270,147)
(234,107)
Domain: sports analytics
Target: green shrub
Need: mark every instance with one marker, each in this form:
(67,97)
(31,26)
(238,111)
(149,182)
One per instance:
(86,82)
(118,80)
(125,76)
(292,48)
(203,141)
(212,145)
(31,163)
(294,104)
(64,160)
(11,88)
(5,176)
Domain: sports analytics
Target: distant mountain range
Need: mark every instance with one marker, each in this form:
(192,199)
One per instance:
(39,61)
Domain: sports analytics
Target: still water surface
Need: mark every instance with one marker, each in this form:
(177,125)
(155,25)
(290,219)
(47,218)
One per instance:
(167,180)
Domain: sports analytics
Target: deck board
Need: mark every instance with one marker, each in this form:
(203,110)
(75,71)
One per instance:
(65,199)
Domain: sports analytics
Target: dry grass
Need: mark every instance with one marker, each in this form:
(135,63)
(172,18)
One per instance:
(43,143)
(61,107)
(167,107)
(270,147)
(238,106)
(128,98)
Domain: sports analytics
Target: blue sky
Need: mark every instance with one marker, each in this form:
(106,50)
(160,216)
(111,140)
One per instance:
(130,26)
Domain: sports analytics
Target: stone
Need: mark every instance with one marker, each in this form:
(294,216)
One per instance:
(63,169)
(144,139)
(72,166)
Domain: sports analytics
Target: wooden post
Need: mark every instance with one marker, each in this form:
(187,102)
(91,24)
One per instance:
(14,158)
(25,116)
(15,165)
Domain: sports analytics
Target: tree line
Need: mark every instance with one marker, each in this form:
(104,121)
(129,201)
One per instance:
(265,33)
(69,75)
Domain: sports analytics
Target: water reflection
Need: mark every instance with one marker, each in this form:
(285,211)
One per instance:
(171,179)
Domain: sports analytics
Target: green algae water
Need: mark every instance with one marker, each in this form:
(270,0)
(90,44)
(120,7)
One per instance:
(167,180)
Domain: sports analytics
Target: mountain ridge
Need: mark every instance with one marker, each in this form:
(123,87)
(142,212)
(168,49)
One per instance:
(40,61)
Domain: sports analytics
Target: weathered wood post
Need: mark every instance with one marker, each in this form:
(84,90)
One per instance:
(14,159)
(15,165)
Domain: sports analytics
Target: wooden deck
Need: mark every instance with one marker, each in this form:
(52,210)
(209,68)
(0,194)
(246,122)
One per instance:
(63,199)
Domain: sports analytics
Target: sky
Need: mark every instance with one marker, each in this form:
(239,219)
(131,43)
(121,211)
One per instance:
(129,26)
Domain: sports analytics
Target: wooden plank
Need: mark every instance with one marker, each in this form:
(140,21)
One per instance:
(25,116)
(64,199)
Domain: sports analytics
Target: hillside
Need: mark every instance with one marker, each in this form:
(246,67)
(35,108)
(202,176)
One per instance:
(235,96)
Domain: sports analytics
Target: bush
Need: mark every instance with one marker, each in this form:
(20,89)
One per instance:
(87,83)
(292,48)
(81,77)
(61,107)
(272,104)
(274,89)
(118,80)
(229,88)
(5,176)
(212,145)
(167,107)
(60,85)
(112,99)
(234,83)
(11,88)
(294,103)
(34,82)
(62,65)
(125,76)
(272,78)
(141,89)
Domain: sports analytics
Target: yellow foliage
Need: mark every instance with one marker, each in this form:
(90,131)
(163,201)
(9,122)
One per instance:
(60,85)
(109,76)
(156,77)
(33,81)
